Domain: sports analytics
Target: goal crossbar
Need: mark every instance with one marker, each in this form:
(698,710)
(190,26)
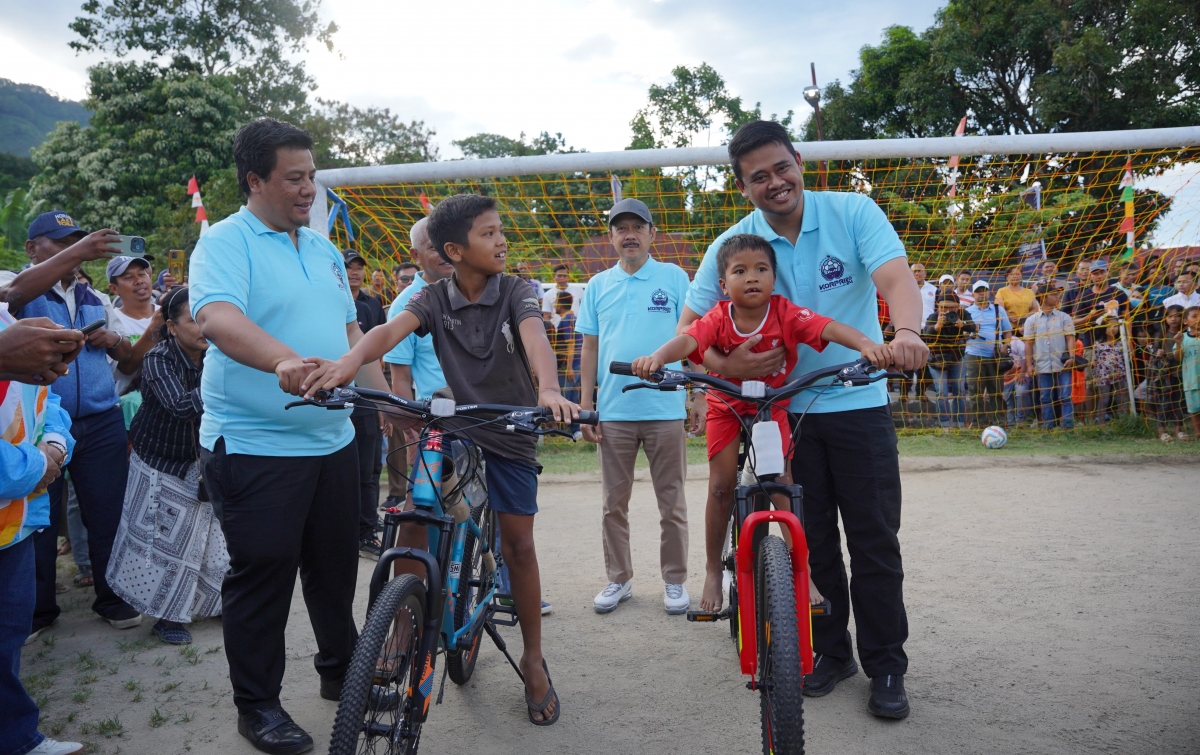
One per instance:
(860,149)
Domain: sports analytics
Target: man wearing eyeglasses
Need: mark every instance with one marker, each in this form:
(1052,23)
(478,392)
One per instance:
(403,275)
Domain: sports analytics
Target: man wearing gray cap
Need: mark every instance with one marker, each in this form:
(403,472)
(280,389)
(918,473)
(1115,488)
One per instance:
(129,280)
(629,310)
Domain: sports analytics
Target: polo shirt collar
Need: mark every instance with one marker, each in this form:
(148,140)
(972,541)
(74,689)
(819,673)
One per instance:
(643,272)
(257,226)
(810,221)
(491,293)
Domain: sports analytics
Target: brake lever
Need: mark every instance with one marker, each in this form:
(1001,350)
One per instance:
(555,431)
(665,385)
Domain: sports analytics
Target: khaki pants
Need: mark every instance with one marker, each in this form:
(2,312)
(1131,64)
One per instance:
(666,449)
(398,464)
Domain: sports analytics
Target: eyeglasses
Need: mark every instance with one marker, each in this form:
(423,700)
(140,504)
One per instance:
(406,278)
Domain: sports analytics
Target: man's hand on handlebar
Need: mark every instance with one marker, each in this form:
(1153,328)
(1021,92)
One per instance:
(644,367)
(291,373)
(563,410)
(909,352)
(329,374)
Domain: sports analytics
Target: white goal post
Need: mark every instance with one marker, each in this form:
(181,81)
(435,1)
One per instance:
(862,149)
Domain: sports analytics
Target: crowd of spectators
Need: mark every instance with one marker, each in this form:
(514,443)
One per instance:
(1055,352)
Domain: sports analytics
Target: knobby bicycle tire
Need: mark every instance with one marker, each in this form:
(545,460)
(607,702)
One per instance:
(460,664)
(779,671)
(401,602)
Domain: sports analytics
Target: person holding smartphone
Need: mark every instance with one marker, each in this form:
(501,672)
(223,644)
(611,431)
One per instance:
(49,288)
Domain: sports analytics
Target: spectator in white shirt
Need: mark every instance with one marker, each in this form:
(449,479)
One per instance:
(928,291)
(562,278)
(1185,284)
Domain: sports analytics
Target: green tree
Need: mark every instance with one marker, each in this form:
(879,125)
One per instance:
(152,129)
(247,39)
(494,145)
(14,221)
(346,136)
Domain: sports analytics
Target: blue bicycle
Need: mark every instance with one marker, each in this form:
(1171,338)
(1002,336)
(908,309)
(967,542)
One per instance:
(389,685)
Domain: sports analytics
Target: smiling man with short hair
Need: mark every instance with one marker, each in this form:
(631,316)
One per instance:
(836,250)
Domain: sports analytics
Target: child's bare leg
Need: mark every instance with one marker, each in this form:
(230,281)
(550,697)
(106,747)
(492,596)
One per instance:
(722,479)
(525,581)
(782,503)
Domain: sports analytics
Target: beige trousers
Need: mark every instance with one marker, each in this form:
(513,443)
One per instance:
(399,464)
(666,449)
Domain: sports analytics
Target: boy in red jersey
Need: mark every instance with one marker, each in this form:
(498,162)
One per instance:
(747,264)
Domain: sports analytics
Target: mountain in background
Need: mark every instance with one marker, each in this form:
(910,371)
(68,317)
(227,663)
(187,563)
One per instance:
(28,113)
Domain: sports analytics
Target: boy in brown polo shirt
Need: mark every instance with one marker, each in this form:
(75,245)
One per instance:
(488,335)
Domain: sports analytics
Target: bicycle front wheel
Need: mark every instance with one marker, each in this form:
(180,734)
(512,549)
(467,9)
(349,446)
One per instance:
(779,673)
(374,715)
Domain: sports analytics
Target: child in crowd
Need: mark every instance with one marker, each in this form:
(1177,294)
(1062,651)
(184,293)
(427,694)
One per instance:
(747,264)
(1165,368)
(1049,336)
(1016,389)
(488,335)
(1189,345)
(1108,370)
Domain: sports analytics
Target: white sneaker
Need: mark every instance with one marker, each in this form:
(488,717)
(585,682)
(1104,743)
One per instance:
(126,623)
(610,597)
(50,747)
(675,599)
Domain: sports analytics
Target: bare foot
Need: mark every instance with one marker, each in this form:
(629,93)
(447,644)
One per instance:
(537,684)
(711,598)
(814,595)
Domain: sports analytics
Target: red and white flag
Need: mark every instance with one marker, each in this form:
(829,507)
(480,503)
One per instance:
(193,188)
(962,126)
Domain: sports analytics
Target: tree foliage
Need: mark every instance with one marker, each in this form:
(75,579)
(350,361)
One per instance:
(346,135)
(494,145)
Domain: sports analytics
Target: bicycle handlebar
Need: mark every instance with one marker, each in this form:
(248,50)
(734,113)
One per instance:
(856,373)
(520,418)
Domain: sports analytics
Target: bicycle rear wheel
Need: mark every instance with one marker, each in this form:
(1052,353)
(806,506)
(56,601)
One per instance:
(373,715)
(460,663)
(779,673)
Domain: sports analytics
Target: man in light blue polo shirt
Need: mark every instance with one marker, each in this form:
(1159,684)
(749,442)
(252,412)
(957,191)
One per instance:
(834,251)
(270,294)
(629,310)
(981,363)
(416,372)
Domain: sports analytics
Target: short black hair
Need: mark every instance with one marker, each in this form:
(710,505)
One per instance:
(256,144)
(173,303)
(452,218)
(561,266)
(564,299)
(405,266)
(750,136)
(737,243)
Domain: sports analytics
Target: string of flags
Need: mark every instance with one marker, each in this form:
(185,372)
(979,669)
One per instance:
(1127,198)
(193,188)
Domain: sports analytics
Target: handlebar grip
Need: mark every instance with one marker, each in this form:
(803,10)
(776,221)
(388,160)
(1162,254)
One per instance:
(589,418)
(621,368)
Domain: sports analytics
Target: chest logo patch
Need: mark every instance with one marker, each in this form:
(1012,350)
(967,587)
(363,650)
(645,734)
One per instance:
(506,329)
(337,273)
(659,302)
(832,268)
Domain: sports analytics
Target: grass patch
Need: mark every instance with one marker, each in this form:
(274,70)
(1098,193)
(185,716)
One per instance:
(81,695)
(191,654)
(87,679)
(107,727)
(1122,436)
(171,686)
(157,719)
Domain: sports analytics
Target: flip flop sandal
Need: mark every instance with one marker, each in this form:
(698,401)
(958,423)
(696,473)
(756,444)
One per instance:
(551,697)
(84,580)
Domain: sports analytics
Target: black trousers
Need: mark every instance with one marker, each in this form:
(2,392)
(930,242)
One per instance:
(280,513)
(847,463)
(99,468)
(369,440)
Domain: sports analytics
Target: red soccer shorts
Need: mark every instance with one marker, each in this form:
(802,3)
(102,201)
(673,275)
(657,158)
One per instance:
(723,427)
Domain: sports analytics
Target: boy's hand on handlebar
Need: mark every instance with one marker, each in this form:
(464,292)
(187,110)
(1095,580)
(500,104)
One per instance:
(643,367)
(563,410)
(329,375)
(880,355)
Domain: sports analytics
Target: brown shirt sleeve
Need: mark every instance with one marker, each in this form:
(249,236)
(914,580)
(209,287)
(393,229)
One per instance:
(422,305)
(522,304)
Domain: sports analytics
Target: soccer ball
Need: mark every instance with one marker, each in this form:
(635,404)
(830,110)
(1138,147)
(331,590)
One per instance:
(994,437)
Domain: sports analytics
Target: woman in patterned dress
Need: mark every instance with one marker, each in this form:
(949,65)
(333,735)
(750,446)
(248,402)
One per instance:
(169,557)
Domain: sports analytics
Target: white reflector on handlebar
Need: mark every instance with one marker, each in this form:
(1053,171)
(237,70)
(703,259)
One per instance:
(754,389)
(442,407)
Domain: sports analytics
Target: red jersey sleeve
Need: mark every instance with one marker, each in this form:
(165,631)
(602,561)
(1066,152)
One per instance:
(706,331)
(801,325)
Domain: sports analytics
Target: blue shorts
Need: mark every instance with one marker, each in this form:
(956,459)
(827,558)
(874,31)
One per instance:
(511,484)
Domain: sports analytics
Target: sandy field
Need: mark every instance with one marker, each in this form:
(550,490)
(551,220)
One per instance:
(1053,609)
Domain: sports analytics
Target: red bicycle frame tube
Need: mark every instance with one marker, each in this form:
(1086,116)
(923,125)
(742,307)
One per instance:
(746,598)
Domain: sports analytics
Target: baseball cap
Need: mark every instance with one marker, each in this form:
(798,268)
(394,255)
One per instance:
(118,265)
(980,284)
(350,255)
(946,279)
(1099,265)
(632,207)
(53,225)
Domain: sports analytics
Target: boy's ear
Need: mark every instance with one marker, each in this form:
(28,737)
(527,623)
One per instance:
(724,290)
(454,251)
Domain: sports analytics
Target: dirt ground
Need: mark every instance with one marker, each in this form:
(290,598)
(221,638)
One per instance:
(1052,609)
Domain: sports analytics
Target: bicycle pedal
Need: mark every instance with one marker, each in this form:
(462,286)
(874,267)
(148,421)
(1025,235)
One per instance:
(822,609)
(708,615)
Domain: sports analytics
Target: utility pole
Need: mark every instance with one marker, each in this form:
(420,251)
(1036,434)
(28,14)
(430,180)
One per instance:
(812,95)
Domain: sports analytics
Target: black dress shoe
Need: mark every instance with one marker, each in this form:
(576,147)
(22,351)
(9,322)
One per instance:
(827,672)
(273,731)
(331,689)
(887,697)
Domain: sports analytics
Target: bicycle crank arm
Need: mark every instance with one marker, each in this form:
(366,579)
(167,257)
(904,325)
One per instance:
(721,615)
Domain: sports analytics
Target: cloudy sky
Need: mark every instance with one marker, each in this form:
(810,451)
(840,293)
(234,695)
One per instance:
(580,67)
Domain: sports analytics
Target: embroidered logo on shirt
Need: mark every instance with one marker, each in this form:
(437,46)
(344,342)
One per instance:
(507,331)
(832,268)
(659,301)
(803,314)
(337,273)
